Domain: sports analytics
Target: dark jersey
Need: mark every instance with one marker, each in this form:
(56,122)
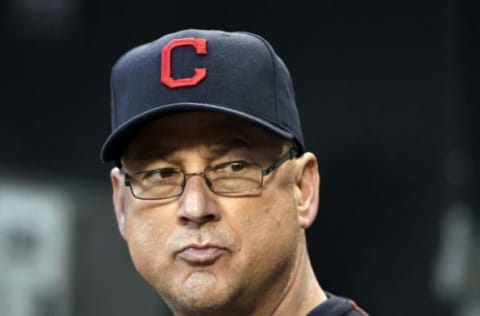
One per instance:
(337,306)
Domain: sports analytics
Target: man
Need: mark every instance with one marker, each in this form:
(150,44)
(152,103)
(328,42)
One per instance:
(213,188)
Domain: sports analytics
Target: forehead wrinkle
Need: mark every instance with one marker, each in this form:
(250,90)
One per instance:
(217,134)
(207,149)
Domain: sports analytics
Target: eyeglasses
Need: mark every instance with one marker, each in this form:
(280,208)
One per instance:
(232,178)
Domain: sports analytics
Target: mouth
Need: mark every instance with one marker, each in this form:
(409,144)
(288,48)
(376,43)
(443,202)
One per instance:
(201,255)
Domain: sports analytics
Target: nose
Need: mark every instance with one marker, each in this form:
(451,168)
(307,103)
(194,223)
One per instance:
(197,204)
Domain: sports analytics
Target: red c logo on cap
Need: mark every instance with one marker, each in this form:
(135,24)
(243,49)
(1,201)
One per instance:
(200,45)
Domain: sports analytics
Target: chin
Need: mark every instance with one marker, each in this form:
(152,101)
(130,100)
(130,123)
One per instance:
(200,294)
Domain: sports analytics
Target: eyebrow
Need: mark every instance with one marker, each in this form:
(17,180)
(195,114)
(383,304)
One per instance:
(217,148)
(151,152)
(227,145)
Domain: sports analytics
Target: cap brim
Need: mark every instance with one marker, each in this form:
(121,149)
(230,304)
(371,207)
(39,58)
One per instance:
(116,142)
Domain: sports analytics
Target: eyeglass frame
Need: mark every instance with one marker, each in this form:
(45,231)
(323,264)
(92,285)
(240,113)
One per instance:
(290,154)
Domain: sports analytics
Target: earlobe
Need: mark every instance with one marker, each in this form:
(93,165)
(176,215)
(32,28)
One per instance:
(118,188)
(307,189)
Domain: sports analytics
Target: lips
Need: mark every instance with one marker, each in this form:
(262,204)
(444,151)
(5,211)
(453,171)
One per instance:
(201,254)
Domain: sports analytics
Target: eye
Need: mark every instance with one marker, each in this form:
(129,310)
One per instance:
(161,174)
(235,167)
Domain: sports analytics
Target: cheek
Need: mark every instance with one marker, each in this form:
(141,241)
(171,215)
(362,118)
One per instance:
(268,236)
(146,234)
(277,213)
(142,235)
(269,226)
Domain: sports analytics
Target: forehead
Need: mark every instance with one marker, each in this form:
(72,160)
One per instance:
(210,129)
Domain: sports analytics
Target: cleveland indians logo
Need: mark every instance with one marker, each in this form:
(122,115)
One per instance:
(200,45)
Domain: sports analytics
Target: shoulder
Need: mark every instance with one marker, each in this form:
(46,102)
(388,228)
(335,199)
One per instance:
(337,306)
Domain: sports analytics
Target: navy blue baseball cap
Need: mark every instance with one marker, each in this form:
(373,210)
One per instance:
(236,73)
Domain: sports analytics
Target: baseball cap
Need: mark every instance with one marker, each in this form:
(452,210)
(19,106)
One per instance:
(236,73)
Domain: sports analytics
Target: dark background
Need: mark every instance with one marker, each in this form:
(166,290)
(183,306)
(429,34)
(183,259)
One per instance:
(388,96)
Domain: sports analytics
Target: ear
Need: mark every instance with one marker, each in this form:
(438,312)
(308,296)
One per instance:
(307,189)
(117,179)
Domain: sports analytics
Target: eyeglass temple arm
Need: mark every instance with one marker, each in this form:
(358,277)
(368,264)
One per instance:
(126,178)
(292,152)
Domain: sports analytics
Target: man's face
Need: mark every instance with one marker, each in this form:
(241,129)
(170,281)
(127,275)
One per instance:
(203,251)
